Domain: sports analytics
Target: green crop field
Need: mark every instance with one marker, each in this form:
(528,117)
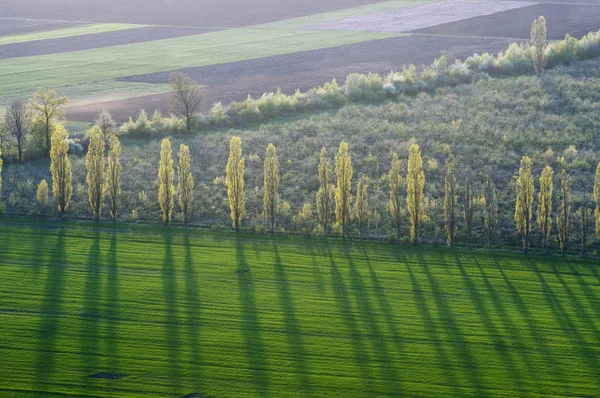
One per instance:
(176,312)
(67,32)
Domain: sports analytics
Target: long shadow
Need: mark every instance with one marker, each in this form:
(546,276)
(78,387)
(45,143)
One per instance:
(592,298)
(48,330)
(342,299)
(253,342)
(293,333)
(460,346)
(112,305)
(193,314)
(316,272)
(171,322)
(367,314)
(501,348)
(430,326)
(88,334)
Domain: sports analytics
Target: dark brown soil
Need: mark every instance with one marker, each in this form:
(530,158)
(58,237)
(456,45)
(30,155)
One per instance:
(96,40)
(304,70)
(20,26)
(576,20)
(202,13)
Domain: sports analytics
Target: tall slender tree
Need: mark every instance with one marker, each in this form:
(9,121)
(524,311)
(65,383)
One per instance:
(185,180)
(343,195)
(415,184)
(490,211)
(544,212)
(584,216)
(60,168)
(524,203)
(49,108)
(113,175)
(450,188)
(1,164)
(271,186)
(597,199)
(16,122)
(94,163)
(235,182)
(325,193)
(166,189)
(538,44)
(42,196)
(563,218)
(395,181)
(468,210)
(361,207)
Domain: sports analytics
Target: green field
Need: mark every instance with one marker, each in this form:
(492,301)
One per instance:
(67,32)
(208,313)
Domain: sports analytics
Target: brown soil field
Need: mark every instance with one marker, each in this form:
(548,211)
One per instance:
(574,19)
(95,40)
(304,70)
(9,26)
(201,13)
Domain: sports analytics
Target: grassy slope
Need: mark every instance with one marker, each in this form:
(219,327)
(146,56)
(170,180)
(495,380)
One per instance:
(196,312)
(67,32)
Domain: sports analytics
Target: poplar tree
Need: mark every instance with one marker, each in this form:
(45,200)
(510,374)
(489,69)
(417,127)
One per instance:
(468,211)
(324,195)
(524,203)
(1,164)
(415,184)
(234,180)
(166,188)
(597,199)
(490,211)
(450,187)
(584,215)
(538,44)
(544,212)
(94,163)
(563,218)
(271,186)
(60,168)
(395,182)
(361,207)
(185,181)
(41,196)
(113,175)
(343,195)
(49,108)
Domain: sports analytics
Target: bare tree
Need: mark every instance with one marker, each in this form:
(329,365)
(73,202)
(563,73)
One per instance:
(106,123)
(186,98)
(16,121)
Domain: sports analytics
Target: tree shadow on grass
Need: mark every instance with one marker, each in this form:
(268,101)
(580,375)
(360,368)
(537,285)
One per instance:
(293,333)
(112,305)
(592,298)
(255,349)
(50,310)
(316,272)
(88,335)
(171,322)
(193,314)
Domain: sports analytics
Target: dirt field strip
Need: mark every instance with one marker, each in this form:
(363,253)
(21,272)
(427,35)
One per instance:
(421,16)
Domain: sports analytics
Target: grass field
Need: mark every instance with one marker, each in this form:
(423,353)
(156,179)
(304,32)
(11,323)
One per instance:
(66,32)
(178,313)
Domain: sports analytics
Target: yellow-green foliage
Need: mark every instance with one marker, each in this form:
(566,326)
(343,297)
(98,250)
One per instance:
(166,189)
(538,44)
(563,218)
(271,186)
(234,180)
(450,202)
(395,181)
(186,182)
(94,163)
(343,195)
(42,195)
(1,164)
(544,212)
(324,195)
(60,167)
(524,203)
(113,175)
(597,199)
(49,107)
(415,184)
(361,207)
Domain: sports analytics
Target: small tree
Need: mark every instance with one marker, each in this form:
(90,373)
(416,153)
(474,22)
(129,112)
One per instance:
(361,207)
(343,195)
(490,211)
(186,183)
(538,44)
(304,217)
(16,121)
(60,168)
(113,175)
(563,218)
(94,162)
(468,211)
(234,180)
(450,188)
(271,186)
(524,203)
(166,189)
(395,181)
(325,193)
(415,184)
(106,123)
(544,213)
(50,108)
(186,98)
(42,196)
